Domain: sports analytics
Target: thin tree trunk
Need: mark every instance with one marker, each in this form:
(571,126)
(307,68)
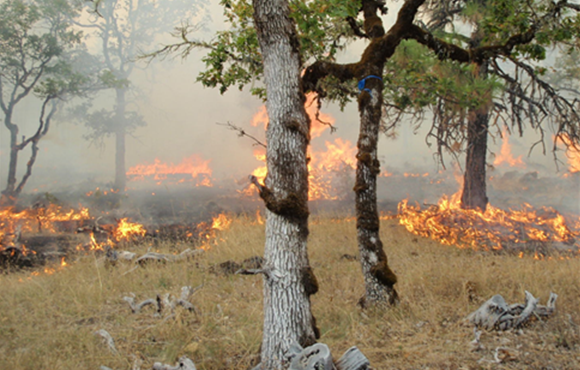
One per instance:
(120,135)
(378,277)
(9,194)
(288,278)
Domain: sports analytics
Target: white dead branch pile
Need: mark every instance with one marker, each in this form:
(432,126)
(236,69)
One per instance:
(318,357)
(496,314)
(164,301)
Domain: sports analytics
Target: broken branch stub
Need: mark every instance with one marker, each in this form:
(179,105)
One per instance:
(495,314)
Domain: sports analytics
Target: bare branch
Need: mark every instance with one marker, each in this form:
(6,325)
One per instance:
(241,132)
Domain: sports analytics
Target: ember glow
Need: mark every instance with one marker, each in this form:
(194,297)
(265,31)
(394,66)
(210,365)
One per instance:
(191,169)
(494,229)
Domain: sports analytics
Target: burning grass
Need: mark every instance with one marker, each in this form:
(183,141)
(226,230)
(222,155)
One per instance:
(541,231)
(48,320)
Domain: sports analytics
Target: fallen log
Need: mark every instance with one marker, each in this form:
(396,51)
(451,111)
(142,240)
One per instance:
(496,314)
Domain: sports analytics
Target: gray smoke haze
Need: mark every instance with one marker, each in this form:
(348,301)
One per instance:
(181,118)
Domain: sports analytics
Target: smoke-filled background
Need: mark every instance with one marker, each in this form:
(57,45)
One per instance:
(182,124)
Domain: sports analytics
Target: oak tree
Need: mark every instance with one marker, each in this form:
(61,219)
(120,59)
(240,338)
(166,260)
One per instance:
(38,49)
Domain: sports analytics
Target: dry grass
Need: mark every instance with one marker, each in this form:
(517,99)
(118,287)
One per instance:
(48,321)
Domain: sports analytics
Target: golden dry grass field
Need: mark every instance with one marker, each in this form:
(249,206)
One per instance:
(48,321)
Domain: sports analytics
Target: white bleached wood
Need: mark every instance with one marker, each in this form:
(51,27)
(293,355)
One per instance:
(353,359)
(108,339)
(495,314)
(315,357)
(184,363)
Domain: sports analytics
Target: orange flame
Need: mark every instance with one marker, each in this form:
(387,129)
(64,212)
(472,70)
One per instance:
(447,223)
(317,124)
(505,155)
(126,230)
(572,153)
(208,234)
(192,168)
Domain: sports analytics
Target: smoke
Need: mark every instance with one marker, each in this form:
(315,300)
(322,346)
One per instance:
(182,119)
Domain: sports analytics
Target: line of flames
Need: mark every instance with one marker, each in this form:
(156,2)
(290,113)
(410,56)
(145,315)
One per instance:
(493,229)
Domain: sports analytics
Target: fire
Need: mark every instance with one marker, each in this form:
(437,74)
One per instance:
(505,155)
(208,234)
(41,218)
(493,229)
(572,153)
(327,168)
(190,169)
(221,222)
(126,230)
(319,121)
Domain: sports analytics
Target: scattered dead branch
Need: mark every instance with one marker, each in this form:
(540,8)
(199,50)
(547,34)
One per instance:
(495,314)
(160,257)
(318,357)
(164,301)
(184,363)
(108,340)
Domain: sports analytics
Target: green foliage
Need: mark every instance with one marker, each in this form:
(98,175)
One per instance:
(38,49)
(234,59)
(416,78)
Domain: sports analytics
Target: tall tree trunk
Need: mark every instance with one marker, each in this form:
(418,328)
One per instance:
(120,135)
(378,277)
(474,194)
(288,278)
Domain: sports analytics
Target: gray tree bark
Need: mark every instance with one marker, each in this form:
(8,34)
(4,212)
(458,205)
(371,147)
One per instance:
(378,277)
(288,278)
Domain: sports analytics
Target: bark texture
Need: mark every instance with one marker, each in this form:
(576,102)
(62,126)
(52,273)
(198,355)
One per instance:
(474,195)
(379,278)
(288,279)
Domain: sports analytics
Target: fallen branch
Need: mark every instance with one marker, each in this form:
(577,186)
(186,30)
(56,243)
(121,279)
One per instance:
(160,257)
(108,339)
(166,300)
(136,308)
(495,314)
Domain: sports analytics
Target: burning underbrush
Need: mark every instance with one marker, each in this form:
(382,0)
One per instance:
(544,232)
(52,233)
